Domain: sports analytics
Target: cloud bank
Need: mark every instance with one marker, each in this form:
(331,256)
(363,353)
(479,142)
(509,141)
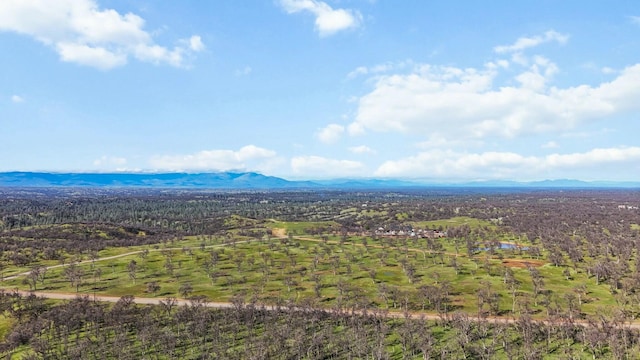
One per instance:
(321,167)
(476,103)
(249,157)
(450,164)
(83,33)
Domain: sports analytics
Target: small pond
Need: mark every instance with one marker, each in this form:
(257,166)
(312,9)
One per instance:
(506,246)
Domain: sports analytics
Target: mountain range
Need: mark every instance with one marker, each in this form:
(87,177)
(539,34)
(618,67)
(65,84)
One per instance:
(251,180)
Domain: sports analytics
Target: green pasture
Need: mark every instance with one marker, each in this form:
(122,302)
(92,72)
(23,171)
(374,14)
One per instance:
(455,221)
(328,273)
(300,227)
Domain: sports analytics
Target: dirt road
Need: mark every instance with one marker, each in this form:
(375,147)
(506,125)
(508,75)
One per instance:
(183,302)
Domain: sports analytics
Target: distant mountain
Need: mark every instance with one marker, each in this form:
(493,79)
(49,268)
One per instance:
(554,184)
(367,183)
(251,180)
(222,180)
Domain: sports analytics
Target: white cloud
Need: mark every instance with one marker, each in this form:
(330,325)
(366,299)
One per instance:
(607,70)
(550,145)
(355,129)
(360,70)
(320,167)
(436,141)
(83,33)
(449,164)
(17,99)
(471,103)
(378,69)
(244,71)
(328,20)
(635,19)
(331,133)
(196,44)
(524,43)
(594,158)
(362,149)
(249,157)
(97,57)
(109,161)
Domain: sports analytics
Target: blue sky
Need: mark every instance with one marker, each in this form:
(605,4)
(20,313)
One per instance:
(309,89)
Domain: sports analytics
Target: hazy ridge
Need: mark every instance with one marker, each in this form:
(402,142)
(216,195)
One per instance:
(251,180)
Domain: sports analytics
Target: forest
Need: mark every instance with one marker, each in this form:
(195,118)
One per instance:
(444,273)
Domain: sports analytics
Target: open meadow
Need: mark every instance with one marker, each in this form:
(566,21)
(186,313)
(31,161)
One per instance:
(548,259)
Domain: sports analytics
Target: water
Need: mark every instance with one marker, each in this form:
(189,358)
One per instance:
(506,246)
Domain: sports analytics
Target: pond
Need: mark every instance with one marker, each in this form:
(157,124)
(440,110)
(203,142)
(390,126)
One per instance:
(506,246)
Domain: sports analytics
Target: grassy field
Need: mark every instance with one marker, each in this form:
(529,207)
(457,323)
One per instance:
(388,273)
(300,226)
(455,221)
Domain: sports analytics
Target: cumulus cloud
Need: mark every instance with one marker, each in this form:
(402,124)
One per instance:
(320,167)
(550,145)
(607,70)
(476,103)
(83,33)
(17,99)
(110,162)
(328,20)
(362,149)
(450,164)
(524,43)
(378,69)
(249,157)
(196,44)
(244,71)
(331,133)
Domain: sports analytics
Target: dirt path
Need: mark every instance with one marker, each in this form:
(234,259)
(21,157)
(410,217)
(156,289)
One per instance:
(376,312)
(183,302)
(119,256)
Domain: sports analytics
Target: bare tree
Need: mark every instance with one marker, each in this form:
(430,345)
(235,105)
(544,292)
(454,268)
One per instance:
(185,290)
(132,268)
(74,274)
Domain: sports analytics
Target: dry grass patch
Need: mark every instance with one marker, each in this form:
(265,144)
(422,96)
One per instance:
(522,263)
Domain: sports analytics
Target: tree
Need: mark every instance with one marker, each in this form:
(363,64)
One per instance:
(144,254)
(185,290)
(289,282)
(512,284)
(3,266)
(74,274)
(168,265)
(132,267)
(168,304)
(153,287)
(37,274)
(538,283)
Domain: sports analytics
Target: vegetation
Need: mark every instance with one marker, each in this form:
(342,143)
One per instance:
(366,265)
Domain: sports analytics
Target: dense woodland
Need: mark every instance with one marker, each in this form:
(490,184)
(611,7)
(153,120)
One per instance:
(585,242)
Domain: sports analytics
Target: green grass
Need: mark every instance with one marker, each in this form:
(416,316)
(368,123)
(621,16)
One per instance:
(301,227)
(455,221)
(352,272)
(6,323)
(290,274)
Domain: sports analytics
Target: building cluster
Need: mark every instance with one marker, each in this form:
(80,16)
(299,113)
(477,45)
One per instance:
(627,207)
(419,233)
